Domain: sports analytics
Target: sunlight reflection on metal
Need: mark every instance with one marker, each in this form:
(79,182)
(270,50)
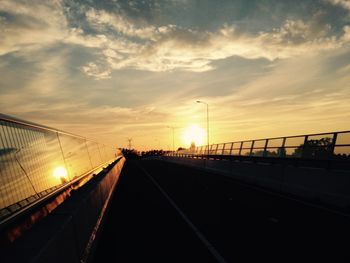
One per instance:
(35,160)
(61,174)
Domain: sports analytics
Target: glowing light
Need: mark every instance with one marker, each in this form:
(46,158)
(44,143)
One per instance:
(194,134)
(61,174)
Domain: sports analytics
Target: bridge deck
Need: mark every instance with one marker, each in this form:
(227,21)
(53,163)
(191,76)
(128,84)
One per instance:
(143,227)
(239,221)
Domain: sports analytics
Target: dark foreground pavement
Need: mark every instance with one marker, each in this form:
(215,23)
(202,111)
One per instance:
(242,223)
(143,227)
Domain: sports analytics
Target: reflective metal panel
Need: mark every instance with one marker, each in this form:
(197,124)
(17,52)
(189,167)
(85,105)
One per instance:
(35,160)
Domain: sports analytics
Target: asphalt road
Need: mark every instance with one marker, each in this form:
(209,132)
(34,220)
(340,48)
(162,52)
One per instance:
(163,212)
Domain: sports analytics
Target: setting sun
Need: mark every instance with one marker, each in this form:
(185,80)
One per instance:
(195,134)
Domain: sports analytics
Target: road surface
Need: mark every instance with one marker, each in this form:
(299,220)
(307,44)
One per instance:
(164,212)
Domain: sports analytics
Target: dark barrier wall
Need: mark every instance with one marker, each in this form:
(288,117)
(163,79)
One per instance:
(326,186)
(70,232)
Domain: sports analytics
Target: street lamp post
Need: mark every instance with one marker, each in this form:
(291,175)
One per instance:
(199,101)
(171,127)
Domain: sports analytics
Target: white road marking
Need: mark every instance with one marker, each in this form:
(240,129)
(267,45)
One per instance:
(199,234)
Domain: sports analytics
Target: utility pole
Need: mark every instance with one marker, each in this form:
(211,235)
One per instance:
(173,128)
(199,101)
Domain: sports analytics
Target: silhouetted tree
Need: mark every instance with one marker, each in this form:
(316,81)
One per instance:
(153,153)
(281,152)
(130,153)
(321,148)
(258,153)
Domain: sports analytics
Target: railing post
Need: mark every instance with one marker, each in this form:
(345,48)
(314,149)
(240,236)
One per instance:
(251,148)
(231,148)
(240,149)
(265,148)
(334,142)
(283,147)
(304,146)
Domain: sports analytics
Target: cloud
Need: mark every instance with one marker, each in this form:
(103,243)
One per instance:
(97,72)
(100,19)
(346,36)
(30,26)
(344,3)
(124,42)
(171,47)
(307,94)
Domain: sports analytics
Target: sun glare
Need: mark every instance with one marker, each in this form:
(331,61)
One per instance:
(61,174)
(194,134)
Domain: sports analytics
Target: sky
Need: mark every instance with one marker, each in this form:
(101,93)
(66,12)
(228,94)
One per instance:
(114,70)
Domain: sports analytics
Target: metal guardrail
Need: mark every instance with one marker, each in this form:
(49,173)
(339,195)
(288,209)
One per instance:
(321,146)
(36,160)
